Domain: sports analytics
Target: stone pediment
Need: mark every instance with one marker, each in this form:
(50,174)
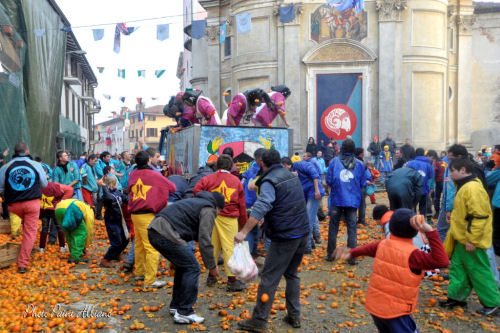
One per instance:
(339,51)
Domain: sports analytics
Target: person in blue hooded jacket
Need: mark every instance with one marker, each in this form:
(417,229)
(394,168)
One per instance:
(346,177)
(424,167)
(310,177)
(251,196)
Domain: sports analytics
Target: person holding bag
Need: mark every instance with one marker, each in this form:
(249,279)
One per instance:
(113,219)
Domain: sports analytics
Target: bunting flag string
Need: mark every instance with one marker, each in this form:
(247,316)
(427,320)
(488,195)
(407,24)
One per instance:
(159,72)
(162,31)
(141,73)
(121,73)
(121,29)
(100,69)
(122,99)
(139,100)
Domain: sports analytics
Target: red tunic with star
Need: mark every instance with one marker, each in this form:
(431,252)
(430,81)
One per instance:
(148,191)
(53,193)
(232,190)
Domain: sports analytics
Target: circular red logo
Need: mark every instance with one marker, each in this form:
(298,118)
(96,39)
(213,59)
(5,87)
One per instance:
(338,121)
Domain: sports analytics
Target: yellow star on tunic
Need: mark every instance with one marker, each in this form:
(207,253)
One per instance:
(227,192)
(139,190)
(47,202)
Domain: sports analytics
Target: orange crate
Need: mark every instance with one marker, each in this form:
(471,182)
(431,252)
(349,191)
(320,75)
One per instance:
(8,253)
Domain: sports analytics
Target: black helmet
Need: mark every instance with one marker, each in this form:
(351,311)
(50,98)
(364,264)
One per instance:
(284,90)
(191,96)
(254,96)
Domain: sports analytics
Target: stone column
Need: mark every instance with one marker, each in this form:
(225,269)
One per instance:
(213,53)
(390,66)
(464,22)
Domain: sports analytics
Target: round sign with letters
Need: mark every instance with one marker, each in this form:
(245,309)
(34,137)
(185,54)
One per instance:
(338,121)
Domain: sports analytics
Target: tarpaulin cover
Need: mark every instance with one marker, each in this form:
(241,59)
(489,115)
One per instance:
(44,69)
(13,118)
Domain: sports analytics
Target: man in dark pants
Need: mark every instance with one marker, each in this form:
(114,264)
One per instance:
(282,205)
(404,188)
(169,233)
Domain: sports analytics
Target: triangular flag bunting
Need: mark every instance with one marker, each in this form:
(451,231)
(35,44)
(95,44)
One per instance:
(100,69)
(141,73)
(162,31)
(159,72)
(107,96)
(122,99)
(139,100)
(98,34)
(121,73)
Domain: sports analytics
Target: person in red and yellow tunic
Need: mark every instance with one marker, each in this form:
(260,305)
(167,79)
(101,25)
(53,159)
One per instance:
(226,223)
(148,193)
(52,194)
(397,270)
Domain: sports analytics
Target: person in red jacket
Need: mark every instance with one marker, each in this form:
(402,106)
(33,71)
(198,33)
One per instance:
(148,193)
(226,223)
(52,194)
(397,270)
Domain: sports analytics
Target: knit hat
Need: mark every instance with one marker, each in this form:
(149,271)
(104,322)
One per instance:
(386,146)
(219,199)
(212,159)
(399,224)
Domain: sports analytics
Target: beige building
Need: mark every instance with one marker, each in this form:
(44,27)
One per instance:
(146,125)
(427,70)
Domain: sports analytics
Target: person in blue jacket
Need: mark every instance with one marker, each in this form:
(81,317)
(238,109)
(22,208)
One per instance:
(251,196)
(385,165)
(102,162)
(346,177)
(493,178)
(123,168)
(310,177)
(424,167)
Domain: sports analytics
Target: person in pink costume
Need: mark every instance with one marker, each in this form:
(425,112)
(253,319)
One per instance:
(267,112)
(244,105)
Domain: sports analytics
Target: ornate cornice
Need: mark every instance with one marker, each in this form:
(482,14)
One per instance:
(390,10)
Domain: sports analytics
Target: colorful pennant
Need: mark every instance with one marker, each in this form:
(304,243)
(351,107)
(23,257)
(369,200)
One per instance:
(159,72)
(141,73)
(121,73)
(100,69)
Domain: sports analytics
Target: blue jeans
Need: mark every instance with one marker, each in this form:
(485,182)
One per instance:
(350,219)
(403,324)
(117,240)
(131,254)
(312,214)
(253,238)
(442,224)
(267,243)
(187,272)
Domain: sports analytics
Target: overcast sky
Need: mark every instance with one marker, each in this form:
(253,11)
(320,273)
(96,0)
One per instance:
(139,51)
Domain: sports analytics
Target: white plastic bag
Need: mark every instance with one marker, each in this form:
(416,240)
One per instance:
(241,263)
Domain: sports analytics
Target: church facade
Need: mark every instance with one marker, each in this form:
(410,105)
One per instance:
(419,69)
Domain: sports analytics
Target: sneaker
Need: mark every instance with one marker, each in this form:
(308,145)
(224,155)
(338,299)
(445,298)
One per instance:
(105,263)
(192,318)
(41,250)
(63,249)
(156,284)
(211,281)
(172,311)
(450,303)
(139,278)
(317,239)
(236,286)
(22,270)
(252,325)
(485,311)
(293,321)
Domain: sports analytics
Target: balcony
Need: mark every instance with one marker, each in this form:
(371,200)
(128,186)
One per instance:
(72,80)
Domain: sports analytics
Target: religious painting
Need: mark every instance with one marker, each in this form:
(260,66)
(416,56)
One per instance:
(334,20)
(339,107)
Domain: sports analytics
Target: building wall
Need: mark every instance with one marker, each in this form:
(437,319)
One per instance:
(423,64)
(160,122)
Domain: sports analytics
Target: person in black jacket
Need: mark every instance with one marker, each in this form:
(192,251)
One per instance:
(404,188)
(311,146)
(112,201)
(408,151)
(208,169)
(171,231)
(374,149)
(388,141)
